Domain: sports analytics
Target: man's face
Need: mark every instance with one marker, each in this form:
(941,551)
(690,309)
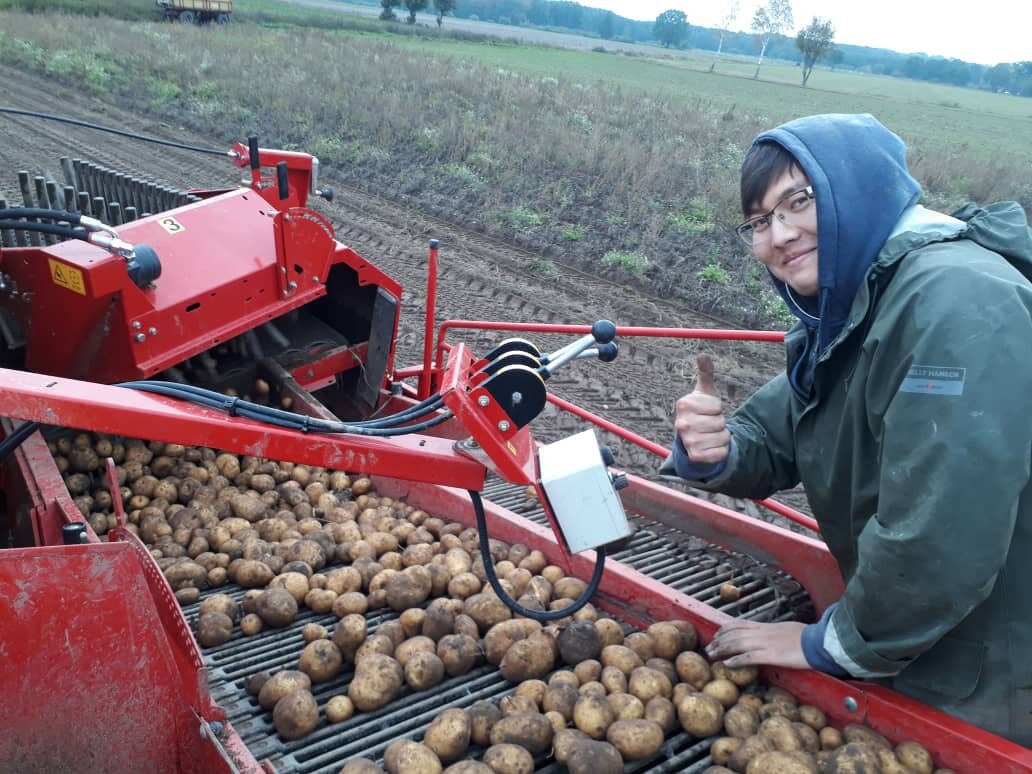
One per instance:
(788,242)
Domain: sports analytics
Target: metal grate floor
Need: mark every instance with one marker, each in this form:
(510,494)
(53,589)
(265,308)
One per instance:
(685,563)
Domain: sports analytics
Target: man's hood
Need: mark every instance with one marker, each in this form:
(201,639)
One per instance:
(861,186)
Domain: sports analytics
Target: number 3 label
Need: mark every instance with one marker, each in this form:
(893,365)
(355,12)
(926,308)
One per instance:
(171,225)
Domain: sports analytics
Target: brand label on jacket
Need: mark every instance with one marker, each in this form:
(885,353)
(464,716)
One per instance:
(934,380)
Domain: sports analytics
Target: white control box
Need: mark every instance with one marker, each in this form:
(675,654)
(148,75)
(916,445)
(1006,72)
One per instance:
(581,494)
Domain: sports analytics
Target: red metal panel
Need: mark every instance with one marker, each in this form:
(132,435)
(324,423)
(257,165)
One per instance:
(89,320)
(323,372)
(88,678)
(511,453)
(87,406)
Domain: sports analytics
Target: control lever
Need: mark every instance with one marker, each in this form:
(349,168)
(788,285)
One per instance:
(605,352)
(602,332)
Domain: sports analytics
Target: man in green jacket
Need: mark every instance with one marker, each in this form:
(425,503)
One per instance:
(903,410)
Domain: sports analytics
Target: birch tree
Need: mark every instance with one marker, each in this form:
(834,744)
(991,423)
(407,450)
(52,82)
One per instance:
(770,21)
(724,26)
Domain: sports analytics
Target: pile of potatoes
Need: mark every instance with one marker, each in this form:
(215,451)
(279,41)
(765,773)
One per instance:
(597,713)
(299,536)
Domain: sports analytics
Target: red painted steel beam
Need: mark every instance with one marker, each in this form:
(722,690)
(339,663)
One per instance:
(54,400)
(621,331)
(663,451)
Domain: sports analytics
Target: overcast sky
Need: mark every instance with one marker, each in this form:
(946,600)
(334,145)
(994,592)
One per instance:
(987,31)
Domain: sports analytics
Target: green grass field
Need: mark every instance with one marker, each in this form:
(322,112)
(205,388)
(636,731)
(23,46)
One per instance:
(580,153)
(931,116)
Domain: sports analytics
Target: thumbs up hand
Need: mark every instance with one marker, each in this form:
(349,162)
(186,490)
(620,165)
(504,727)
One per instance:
(699,418)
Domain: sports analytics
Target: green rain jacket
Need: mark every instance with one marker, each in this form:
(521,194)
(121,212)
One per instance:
(915,450)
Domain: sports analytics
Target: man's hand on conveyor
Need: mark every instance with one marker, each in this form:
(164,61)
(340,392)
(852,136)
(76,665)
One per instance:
(749,643)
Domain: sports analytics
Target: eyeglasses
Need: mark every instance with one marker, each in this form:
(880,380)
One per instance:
(791,210)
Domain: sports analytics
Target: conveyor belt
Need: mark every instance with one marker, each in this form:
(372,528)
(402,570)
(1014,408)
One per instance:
(685,563)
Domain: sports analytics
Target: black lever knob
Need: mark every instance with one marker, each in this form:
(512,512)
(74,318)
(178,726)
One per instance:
(604,331)
(608,458)
(282,180)
(607,352)
(619,481)
(252,151)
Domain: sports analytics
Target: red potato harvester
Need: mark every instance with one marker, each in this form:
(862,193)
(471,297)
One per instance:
(159,325)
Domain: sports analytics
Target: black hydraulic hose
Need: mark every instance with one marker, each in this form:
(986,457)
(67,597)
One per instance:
(222,402)
(273,416)
(15,439)
(47,228)
(120,132)
(40,212)
(406,415)
(425,407)
(516,607)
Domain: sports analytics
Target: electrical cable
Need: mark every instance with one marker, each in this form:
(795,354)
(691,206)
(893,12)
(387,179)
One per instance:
(120,132)
(516,607)
(15,439)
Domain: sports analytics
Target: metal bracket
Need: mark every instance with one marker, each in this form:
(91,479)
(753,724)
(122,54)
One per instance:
(213,732)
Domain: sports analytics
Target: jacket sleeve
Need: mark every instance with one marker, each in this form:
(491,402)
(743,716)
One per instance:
(947,390)
(762,458)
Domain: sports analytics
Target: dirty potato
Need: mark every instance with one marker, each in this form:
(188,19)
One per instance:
(527,729)
(214,629)
(321,660)
(578,642)
(700,715)
(423,670)
(591,757)
(280,684)
(458,652)
(276,607)
(377,682)
(295,715)
(635,739)
(448,735)
(339,709)
(509,759)
(407,757)
(593,715)
(482,717)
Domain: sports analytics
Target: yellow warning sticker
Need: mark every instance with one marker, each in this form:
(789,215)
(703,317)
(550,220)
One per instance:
(171,225)
(67,276)
(511,447)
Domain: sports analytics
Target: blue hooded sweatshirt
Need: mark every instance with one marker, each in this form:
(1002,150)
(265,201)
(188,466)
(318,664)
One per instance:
(861,186)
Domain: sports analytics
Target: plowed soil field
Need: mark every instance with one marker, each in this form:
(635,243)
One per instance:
(481,278)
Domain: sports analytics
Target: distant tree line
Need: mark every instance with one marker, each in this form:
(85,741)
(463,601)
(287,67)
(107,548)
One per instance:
(769,33)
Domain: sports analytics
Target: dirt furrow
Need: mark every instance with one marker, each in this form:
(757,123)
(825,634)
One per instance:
(481,277)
